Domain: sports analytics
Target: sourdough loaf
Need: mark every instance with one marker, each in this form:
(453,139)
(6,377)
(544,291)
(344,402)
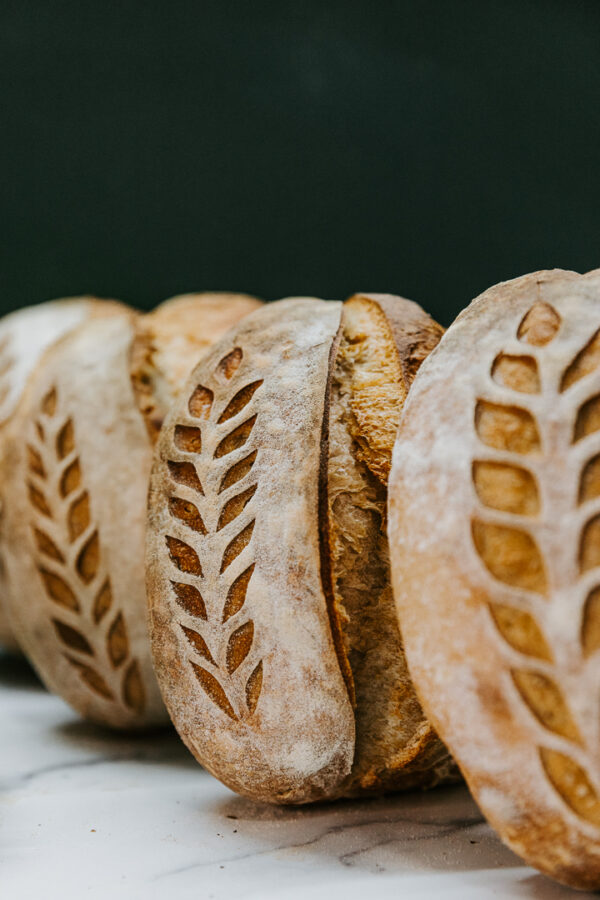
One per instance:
(24,336)
(272,625)
(78,454)
(495,547)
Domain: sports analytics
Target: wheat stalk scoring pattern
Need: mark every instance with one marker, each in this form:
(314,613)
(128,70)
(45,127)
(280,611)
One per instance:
(210,470)
(92,632)
(539,471)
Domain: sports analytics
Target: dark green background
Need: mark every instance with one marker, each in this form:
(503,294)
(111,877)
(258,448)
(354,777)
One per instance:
(425,148)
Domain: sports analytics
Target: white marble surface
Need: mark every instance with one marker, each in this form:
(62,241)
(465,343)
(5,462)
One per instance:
(88,814)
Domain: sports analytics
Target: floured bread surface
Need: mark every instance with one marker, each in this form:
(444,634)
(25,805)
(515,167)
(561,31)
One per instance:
(75,473)
(171,339)
(395,746)
(24,336)
(239,623)
(495,547)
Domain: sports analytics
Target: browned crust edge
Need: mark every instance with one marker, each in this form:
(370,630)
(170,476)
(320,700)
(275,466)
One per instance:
(324,535)
(414,334)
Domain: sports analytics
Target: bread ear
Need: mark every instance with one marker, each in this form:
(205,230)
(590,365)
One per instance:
(380,343)
(171,339)
(495,551)
(239,626)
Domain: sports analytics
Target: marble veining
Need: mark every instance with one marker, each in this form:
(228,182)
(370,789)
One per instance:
(85,813)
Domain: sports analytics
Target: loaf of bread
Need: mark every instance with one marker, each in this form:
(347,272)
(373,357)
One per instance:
(495,545)
(24,336)
(75,474)
(272,619)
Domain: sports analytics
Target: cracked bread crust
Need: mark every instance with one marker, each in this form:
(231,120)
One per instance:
(381,342)
(239,562)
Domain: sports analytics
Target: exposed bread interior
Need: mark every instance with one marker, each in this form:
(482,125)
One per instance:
(170,341)
(395,746)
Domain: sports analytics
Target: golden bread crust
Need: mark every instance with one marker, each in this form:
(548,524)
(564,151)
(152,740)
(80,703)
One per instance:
(24,336)
(239,625)
(495,547)
(171,339)
(373,364)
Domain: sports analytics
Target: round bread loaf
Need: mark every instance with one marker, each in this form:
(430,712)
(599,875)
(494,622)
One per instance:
(495,543)
(272,620)
(24,336)
(76,468)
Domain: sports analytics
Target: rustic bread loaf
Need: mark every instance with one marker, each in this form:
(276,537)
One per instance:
(76,472)
(24,336)
(495,545)
(272,620)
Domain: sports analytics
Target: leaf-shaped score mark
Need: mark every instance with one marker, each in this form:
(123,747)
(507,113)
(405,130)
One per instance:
(49,403)
(590,623)
(185,473)
(71,479)
(519,373)
(183,556)
(200,402)
(506,427)
(236,596)
(506,487)
(588,419)
(78,517)
(190,599)
(586,362)
(589,483)
(239,401)
(520,630)
(88,559)
(117,642)
(229,365)
(235,439)
(213,689)
(254,687)
(187,513)
(589,547)
(188,438)
(539,325)
(102,602)
(65,440)
(239,646)
(35,463)
(134,695)
(58,590)
(235,506)
(38,500)
(572,784)
(74,639)
(92,678)
(546,702)
(46,545)
(238,471)
(510,555)
(235,547)
(198,643)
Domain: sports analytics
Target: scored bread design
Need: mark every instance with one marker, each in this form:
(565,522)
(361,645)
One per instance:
(294,738)
(254,649)
(495,534)
(79,453)
(75,578)
(24,336)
